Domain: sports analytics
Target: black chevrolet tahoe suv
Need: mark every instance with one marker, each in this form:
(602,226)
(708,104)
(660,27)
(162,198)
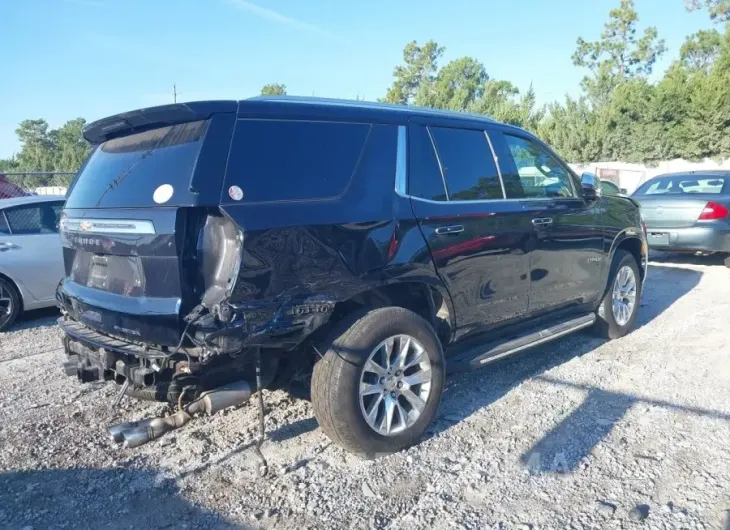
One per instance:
(216,248)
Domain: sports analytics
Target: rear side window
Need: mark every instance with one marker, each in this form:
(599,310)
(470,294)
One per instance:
(126,172)
(425,180)
(280,160)
(468,165)
(3,224)
(39,218)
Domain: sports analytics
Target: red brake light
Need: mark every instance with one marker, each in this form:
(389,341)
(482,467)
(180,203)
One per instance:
(713,211)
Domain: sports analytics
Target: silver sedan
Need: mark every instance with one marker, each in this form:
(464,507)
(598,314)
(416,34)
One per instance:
(687,212)
(31,259)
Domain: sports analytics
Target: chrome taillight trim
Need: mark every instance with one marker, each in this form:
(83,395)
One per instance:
(107,226)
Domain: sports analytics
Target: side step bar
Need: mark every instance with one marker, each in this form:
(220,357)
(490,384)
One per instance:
(479,356)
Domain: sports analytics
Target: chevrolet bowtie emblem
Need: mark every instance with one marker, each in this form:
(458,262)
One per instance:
(85,226)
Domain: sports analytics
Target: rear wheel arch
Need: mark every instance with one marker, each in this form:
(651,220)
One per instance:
(629,240)
(425,299)
(632,245)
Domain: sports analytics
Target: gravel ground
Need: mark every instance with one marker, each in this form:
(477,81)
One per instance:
(580,433)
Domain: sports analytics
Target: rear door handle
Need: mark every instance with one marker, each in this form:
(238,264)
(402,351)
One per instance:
(6,246)
(542,221)
(455,229)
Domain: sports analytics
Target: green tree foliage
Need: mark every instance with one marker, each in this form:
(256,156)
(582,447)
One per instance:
(623,116)
(461,85)
(274,89)
(618,55)
(701,49)
(416,75)
(719,10)
(45,149)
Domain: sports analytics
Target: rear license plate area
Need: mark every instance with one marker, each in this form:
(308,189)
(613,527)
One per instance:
(99,272)
(658,238)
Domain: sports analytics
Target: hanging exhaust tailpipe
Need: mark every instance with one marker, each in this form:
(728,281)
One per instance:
(136,433)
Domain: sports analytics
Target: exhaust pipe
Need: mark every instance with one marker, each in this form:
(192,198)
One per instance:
(71,366)
(117,431)
(135,433)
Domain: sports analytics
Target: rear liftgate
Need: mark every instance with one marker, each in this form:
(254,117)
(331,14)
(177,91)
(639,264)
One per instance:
(151,262)
(214,327)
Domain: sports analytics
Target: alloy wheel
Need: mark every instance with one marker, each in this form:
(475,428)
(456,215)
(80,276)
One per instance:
(624,295)
(395,385)
(6,304)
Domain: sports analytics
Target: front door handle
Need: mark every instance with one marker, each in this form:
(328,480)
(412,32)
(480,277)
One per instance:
(455,229)
(542,221)
(6,246)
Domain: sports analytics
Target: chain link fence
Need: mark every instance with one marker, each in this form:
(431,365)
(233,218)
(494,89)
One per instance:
(19,183)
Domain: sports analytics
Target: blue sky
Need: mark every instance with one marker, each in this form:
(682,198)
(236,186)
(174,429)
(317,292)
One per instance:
(62,59)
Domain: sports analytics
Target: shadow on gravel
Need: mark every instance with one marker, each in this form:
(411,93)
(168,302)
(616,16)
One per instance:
(292,430)
(37,318)
(664,286)
(470,392)
(562,449)
(98,498)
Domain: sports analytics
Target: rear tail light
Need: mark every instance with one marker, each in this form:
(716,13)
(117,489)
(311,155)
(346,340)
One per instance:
(713,211)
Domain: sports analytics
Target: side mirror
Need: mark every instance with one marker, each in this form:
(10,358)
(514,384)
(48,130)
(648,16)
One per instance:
(591,187)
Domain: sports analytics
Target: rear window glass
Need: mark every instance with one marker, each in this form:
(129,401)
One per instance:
(126,171)
(682,184)
(279,160)
(41,218)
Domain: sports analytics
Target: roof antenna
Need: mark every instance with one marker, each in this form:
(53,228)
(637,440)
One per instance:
(175,93)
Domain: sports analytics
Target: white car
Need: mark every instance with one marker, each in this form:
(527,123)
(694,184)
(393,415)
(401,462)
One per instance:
(31,259)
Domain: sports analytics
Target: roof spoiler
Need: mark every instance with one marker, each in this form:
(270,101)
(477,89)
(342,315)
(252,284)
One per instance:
(152,117)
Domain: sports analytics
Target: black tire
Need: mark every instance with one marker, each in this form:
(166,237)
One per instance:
(606,325)
(336,380)
(7,287)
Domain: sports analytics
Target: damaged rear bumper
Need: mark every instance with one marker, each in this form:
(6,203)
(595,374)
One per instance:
(92,356)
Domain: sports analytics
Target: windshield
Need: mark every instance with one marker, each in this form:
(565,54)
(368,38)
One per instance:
(143,169)
(683,184)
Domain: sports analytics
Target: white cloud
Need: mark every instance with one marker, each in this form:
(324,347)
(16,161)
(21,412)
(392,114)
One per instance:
(274,16)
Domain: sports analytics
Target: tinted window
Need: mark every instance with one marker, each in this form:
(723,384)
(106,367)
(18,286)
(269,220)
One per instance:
(539,173)
(295,160)
(425,178)
(126,171)
(3,224)
(39,218)
(467,163)
(683,184)
(609,188)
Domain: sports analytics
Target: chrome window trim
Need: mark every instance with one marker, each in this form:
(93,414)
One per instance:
(484,201)
(441,167)
(496,163)
(400,162)
(107,226)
